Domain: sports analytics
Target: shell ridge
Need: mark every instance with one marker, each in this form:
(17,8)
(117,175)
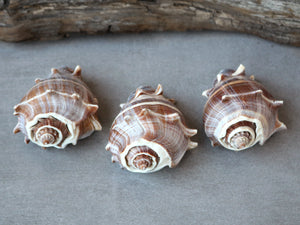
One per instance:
(226,97)
(174,117)
(63,79)
(89,107)
(145,104)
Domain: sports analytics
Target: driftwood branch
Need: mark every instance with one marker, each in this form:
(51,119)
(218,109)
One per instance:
(277,20)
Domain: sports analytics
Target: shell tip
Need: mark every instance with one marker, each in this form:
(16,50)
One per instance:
(220,77)
(173,117)
(114,159)
(214,143)
(122,105)
(17,129)
(77,71)
(92,108)
(192,145)
(277,103)
(191,132)
(206,93)
(97,126)
(280,126)
(26,140)
(37,80)
(96,123)
(17,109)
(159,90)
(239,71)
(252,77)
(54,71)
(138,92)
(172,100)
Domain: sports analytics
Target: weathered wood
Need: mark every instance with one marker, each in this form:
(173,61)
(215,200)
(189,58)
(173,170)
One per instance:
(277,20)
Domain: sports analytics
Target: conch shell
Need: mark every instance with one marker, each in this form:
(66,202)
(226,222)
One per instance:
(149,133)
(240,112)
(58,111)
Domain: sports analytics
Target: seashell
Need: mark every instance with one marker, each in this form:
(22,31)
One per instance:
(149,133)
(58,111)
(240,112)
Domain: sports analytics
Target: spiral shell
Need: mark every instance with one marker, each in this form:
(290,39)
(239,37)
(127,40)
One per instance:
(149,133)
(57,111)
(240,112)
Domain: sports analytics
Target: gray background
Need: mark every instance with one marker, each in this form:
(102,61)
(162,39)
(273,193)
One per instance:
(80,185)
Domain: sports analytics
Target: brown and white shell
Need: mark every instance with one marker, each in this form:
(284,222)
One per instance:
(240,112)
(58,111)
(149,133)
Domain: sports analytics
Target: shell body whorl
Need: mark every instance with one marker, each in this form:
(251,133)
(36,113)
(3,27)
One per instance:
(57,111)
(149,133)
(239,111)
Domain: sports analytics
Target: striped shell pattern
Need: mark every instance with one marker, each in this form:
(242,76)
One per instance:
(149,133)
(57,111)
(240,112)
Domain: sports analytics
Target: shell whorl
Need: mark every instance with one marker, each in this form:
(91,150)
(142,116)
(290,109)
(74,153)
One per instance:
(142,158)
(149,133)
(49,132)
(240,135)
(240,112)
(57,111)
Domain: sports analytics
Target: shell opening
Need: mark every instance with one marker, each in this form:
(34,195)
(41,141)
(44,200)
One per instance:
(241,135)
(142,158)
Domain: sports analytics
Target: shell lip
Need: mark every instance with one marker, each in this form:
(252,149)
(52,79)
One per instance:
(238,116)
(73,129)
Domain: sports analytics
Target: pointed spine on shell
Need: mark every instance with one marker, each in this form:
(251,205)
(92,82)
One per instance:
(57,111)
(239,111)
(149,133)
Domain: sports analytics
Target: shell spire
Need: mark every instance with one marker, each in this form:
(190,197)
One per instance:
(149,133)
(58,111)
(240,112)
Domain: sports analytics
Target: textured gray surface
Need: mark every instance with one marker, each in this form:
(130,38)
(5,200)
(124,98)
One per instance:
(80,185)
